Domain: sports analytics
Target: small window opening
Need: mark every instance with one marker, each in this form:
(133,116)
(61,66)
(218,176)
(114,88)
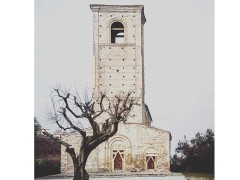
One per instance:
(117,33)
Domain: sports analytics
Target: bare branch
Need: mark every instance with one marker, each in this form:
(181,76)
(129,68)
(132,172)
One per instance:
(65,99)
(101,106)
(61,127)
(83,133)
(57,139)
(79,105)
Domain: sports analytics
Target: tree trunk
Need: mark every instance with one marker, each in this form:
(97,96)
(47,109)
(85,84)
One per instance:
(79,172)
(79,163)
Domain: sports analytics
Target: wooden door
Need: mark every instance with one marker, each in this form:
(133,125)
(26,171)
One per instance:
(150,164)
(118,162)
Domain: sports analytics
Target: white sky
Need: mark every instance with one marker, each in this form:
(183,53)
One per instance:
(179,58)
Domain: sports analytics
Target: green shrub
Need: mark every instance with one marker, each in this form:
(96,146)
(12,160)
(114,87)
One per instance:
(45,167)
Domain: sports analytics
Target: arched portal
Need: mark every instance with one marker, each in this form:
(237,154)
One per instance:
(119,154)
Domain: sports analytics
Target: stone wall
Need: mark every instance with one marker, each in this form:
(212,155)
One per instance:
(136,140)
(119,66)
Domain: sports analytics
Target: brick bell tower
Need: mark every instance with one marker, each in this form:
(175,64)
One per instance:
(118,53)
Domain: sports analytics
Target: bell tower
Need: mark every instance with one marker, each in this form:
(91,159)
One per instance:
(118,53)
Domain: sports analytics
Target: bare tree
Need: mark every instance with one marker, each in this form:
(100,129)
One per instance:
(70,112)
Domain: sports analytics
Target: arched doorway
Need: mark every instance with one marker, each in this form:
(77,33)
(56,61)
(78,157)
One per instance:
(150,162)
(151,155)
(119,149)
(118,162)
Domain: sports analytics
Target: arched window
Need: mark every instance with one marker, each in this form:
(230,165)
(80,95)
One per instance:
(117,32)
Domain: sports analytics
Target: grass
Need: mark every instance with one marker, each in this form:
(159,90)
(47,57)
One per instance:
(187,174)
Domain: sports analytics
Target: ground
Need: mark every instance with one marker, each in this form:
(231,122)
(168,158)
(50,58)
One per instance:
(136,176)
(133,178)
(125,176)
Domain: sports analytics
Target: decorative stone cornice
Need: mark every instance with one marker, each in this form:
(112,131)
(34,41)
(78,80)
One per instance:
(118,8)
(92,6)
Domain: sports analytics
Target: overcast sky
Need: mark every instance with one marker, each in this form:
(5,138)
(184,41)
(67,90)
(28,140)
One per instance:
(179,58)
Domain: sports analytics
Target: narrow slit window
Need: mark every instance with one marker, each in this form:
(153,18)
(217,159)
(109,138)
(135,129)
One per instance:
(117,33)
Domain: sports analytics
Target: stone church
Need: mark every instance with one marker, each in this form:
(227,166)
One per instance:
(118,53)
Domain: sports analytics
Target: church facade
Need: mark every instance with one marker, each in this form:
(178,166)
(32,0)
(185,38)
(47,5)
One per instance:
(118,53)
